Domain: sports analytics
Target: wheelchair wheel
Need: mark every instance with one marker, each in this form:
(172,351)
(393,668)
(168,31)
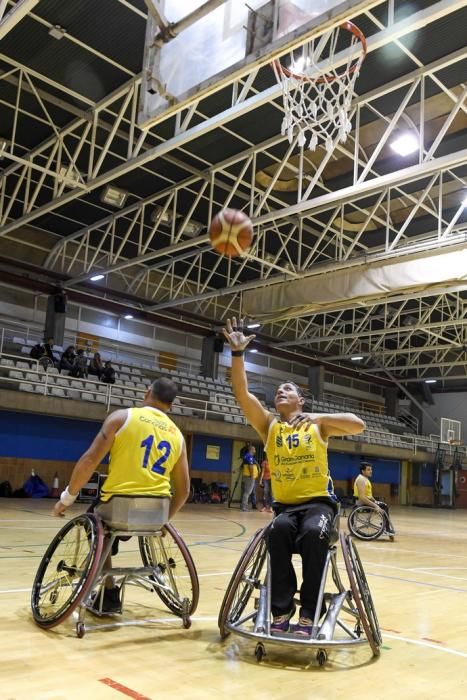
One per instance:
(361,593)
(174,570)
(366,523)
(67,570)
(244,580)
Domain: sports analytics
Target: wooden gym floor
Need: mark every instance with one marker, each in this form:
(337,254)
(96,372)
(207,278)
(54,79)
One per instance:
(419,584)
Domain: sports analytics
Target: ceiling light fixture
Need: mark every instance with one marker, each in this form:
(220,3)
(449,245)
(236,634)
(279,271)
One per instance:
(405,144)
(253,325)
(96,278)
(430,381)
(128,317)
(114,196)
(356,358)
(253,350)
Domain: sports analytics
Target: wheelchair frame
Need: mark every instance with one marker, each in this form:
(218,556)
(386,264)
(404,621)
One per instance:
(368,524)
(252,618)
(73,567)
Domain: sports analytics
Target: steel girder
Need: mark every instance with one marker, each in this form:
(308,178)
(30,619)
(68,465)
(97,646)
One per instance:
(56,166)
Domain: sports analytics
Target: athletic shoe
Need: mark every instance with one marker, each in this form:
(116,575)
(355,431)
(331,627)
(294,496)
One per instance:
(304,627)
(110,604)
(281,623)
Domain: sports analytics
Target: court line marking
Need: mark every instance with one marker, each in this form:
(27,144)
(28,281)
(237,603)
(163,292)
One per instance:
(415,571)
(421,643)
(123,689)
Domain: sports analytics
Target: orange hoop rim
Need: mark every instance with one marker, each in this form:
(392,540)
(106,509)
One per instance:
(326,78)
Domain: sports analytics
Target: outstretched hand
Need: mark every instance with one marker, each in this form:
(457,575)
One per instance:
(234,334)
(304,420)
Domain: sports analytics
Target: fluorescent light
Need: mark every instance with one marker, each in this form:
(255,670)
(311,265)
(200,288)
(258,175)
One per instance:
(128,317)
(356,358)
(253,350)
(405,144)
(430,381)
(114,196)
(253,325)
(464,202)
(96,278)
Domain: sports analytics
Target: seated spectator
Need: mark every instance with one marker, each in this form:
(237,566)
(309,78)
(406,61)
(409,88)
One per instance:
(37,351)
(108,373)
(80,365)
(49,351)
(68,357)
(95,366)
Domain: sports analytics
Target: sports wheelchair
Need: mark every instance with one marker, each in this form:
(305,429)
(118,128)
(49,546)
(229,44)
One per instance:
(369,524)
(73,570)
(350,618)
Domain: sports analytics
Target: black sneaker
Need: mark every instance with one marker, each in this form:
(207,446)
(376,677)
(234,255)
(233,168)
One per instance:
(110,603)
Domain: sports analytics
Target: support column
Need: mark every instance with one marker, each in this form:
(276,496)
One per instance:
(316,382)
(212,346)
(390,400)
(55,317)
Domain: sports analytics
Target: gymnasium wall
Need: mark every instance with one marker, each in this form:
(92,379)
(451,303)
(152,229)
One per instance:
(50,444)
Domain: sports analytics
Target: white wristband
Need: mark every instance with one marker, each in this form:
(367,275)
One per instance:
(67,498)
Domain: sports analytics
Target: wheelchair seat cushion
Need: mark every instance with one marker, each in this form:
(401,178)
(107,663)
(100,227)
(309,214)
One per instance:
(137,513)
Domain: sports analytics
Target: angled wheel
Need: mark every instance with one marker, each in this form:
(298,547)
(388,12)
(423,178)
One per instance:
(174,570)
(245,579)
(366,523)
(361,593)
(67,570)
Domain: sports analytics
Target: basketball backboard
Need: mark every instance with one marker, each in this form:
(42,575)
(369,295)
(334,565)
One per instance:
(212,45)
(450,430)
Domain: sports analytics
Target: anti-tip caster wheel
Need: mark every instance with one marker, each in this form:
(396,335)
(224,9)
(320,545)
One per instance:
(321,657)
(80,629)
(186,622)
(260,651)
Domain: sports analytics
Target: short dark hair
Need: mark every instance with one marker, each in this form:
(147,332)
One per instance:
(164,390)
(364,465)
(289,381)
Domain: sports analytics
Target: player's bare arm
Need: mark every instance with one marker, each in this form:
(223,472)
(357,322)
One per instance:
(180,478)
(330,423)
(254,412)
(93,456)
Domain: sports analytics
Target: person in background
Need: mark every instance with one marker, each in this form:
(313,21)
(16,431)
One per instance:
(49,351)
(68,357)
(265,482)
(108,373)
(95,366)
(80,365)
(363,493)
(250,473)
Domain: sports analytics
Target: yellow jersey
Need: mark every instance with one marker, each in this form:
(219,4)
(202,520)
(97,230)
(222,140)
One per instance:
(368,488)
(298,460)
(250,465)
(143,454)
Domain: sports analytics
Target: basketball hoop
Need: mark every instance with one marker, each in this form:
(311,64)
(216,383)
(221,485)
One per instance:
(317,94)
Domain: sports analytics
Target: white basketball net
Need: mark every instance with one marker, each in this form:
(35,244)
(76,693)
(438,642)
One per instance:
(317,96)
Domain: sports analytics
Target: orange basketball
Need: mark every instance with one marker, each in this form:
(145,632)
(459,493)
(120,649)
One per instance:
(231,232)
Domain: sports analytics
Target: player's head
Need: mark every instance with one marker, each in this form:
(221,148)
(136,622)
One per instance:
(252,449)
(163,392)
(366,468)
(288,397)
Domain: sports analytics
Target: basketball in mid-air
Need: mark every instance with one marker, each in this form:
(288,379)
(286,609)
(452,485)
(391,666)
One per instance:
(231,232)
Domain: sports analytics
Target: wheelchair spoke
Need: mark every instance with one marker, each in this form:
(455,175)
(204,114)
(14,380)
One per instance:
(174,579)
(67,570)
